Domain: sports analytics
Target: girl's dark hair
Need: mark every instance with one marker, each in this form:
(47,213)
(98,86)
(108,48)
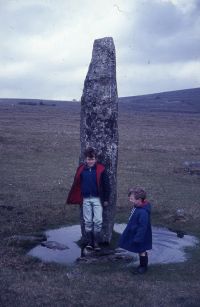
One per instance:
(139,193)
(90,152)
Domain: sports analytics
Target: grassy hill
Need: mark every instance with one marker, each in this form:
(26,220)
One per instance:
(175,101)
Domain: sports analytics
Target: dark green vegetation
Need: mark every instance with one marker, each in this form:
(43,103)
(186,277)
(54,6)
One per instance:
(39,150)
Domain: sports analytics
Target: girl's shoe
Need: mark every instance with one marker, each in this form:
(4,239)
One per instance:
(141,269)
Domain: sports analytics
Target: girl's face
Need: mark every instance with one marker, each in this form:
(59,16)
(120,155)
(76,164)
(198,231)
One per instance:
(136,202)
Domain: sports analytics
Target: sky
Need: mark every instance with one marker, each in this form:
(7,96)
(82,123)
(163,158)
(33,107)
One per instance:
(46,45)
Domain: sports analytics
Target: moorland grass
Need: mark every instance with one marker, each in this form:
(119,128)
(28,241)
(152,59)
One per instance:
(39,153)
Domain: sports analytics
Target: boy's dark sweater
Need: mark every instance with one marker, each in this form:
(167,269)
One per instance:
(89,182)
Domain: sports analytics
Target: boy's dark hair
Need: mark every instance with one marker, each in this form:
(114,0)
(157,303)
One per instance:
(90,152)
(138,192)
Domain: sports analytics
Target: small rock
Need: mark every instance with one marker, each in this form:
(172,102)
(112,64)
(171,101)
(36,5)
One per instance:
(180,215)
(180,234)
(54,245)
(74,274)
(192,167)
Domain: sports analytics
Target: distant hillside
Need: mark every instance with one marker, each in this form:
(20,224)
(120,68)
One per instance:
(29,101)
(184,101)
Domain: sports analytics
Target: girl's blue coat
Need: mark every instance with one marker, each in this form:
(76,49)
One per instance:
(137,236)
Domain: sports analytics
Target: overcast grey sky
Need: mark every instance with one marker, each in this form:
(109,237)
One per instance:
(46,45)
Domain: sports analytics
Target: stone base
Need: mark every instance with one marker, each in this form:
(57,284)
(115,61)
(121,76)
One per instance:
(103,255)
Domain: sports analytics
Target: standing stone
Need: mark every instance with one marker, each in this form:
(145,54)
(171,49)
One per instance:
(99,113)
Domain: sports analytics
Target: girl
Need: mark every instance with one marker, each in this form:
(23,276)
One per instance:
(137,236)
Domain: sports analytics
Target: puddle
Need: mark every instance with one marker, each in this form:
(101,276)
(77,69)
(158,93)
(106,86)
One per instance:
(168,246)
(66,236)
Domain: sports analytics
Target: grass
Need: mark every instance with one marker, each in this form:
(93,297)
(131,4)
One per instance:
(39,153)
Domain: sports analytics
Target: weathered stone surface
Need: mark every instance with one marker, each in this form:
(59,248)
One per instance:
(99,113)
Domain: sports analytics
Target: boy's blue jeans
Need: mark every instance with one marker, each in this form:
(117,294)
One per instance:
(92,214)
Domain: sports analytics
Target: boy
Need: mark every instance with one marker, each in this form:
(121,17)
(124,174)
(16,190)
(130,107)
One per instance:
(137,236)
(91,189)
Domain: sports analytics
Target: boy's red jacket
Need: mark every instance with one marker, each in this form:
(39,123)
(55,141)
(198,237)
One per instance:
(74,196)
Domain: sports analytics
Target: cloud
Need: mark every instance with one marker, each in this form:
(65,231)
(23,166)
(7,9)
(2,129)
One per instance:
(142,78)
(56,37)
(46,45)
(161,32)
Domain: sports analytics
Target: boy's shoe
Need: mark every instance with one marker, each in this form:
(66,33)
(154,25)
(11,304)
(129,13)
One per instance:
(96,241)
(89,240)
(89,247)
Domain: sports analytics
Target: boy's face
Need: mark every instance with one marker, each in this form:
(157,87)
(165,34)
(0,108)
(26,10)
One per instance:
(136,202)
(90,161)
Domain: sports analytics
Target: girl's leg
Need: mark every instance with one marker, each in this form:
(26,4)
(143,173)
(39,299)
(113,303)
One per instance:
(143,263)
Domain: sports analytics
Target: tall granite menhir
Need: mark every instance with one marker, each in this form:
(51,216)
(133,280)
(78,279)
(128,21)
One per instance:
(99,113)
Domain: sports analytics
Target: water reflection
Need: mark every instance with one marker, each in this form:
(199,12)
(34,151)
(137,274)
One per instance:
(168,246)
(65,235)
